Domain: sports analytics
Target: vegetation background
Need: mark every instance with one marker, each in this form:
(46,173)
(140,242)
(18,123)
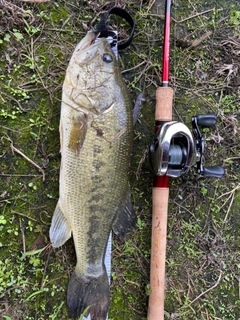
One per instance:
(203,259)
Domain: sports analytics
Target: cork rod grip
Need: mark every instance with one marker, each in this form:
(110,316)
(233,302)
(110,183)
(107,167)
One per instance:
(158,253)
(164,99)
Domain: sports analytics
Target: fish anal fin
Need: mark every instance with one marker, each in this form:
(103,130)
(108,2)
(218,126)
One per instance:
(89,295)
(60,230)
(126,219)
(78,132)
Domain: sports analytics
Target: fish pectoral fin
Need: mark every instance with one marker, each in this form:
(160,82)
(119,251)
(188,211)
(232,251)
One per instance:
(60,230)
(126,219)
(78,132)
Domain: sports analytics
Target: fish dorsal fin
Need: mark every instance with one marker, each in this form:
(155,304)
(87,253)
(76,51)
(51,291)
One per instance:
(60,230)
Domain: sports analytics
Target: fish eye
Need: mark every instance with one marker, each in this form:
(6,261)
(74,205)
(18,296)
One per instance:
(107,58)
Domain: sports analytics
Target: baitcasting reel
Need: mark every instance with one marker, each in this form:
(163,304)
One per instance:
(174,149)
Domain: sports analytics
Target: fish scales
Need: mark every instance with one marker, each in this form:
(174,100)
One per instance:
(86,182)
(96,143)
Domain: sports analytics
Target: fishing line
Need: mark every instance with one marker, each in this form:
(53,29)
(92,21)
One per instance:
(176,155)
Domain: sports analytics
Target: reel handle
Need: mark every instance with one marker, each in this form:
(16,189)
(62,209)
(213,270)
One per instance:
(213,171)
(206,120)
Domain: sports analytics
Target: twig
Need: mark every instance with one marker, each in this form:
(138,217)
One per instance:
(239,288)
(230,192)
(29,160)
(214,286)
(15,100)
(12,7)
(151,3)
(152,15)
(62,30)
(23,238)
(231,196)
(25,157)
(46,265)
(196,42)
(24,215)
(232,158)
(181,206)
(19,175)
(195,15)
(33,1)
(130,69)
(229,208)
(10,199)
(141,162)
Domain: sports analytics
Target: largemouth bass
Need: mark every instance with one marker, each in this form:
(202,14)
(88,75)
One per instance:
(96,143)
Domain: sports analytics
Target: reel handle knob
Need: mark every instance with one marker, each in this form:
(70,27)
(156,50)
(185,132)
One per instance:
(213,171)
(206,120)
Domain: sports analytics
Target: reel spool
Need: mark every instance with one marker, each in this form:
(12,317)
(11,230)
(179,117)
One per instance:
(175,150)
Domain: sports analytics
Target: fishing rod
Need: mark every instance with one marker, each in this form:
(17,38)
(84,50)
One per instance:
(160,190)
(173,151)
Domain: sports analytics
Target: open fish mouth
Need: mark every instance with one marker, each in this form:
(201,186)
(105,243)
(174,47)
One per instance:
(87,41)
(85,51)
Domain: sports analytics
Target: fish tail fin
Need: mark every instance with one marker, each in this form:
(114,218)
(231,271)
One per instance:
(89,295)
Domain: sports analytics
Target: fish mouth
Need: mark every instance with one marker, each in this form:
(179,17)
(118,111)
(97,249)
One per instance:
(88,40)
